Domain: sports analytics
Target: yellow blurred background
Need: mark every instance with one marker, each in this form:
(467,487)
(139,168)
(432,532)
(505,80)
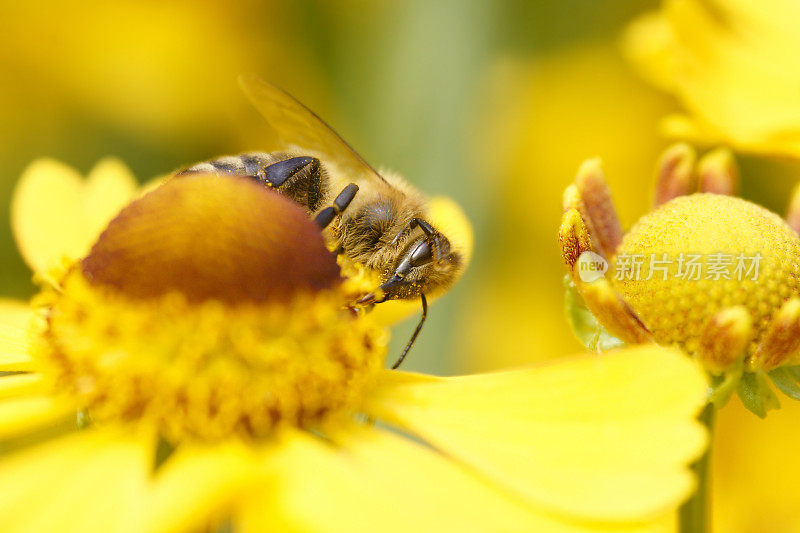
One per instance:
(494,103)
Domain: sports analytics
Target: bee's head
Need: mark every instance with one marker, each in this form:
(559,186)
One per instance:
(428,264)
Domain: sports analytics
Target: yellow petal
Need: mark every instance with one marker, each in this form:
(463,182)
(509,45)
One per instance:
(732,65)
(108,188)
(21,385)
(603,437)
(448,217)
(395,311)
(88,481)
(20,415)
(54,213)
(15,313)
(648,42)
(380,481)
(13,363)
(15,317)
(45,215)
(195,485)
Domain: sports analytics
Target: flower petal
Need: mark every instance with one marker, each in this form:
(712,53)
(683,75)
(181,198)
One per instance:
(108,188)
(54,213)
(28,413)
(195,485)
(395,311)
(448,217)
(15,313)
(21,385)
(380,481)
(731,64)
(15,317)
(45,213)
(594,437)
(88,481)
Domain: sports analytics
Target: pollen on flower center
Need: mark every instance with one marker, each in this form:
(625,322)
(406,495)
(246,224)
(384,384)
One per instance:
(743,254)
(192,337)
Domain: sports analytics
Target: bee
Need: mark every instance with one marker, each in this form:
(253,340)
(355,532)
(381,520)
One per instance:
(375,219)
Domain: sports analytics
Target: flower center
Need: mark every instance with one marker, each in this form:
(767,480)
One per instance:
(696,254)
(184,316)
(208,370)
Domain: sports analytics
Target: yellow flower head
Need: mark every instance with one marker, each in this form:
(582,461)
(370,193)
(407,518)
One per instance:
(220,379)
(733,237)
(733,64)
(716,275)
(257,300)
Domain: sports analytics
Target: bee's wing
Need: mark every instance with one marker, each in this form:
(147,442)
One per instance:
(300,128)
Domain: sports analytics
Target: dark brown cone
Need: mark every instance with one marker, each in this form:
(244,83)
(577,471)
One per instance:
(222,238)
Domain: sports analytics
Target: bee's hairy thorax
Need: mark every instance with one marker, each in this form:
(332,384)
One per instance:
(367,231)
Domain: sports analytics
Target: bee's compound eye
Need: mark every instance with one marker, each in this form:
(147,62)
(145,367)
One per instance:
(421,255)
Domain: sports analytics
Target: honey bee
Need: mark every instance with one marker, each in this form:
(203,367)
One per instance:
(376,220)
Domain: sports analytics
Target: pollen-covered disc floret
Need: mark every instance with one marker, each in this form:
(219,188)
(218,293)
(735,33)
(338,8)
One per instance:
(188,339)
(700,254)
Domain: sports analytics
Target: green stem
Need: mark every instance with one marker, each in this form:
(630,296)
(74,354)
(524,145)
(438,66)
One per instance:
(694,514)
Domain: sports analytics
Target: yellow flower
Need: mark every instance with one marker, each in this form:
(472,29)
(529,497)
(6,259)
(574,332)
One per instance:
(732,64)
(542,115)
(219,380)
(706,271)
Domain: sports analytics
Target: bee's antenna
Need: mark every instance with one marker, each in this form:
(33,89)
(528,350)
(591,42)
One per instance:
(416,332)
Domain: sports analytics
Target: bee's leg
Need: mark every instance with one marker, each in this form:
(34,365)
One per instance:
(341,202)
(412,224)
(300,178)
(430,235)
(408,228)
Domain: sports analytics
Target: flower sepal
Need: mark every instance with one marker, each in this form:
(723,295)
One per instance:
(756,394)
(591,334)
(724,385)
(787,379)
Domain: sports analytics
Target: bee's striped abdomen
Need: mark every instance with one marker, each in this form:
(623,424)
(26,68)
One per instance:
(251,165)
(301,178)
